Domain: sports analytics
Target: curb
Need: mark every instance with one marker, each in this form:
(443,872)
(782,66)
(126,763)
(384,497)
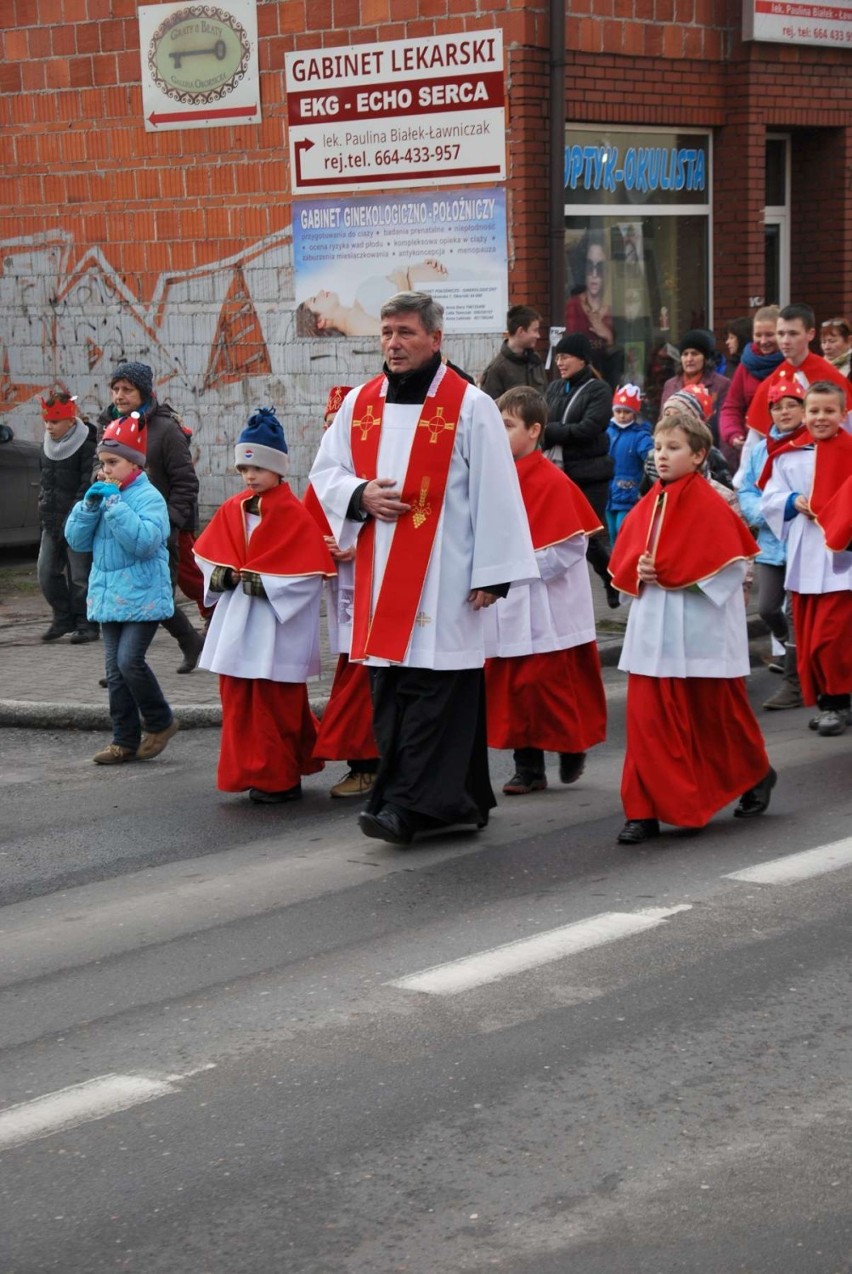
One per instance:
(24,715)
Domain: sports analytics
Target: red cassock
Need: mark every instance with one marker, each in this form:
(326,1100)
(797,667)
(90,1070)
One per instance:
(346,729)
(553,700)
(693,743)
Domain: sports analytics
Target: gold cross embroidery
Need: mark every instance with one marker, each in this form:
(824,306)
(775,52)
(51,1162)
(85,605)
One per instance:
(421,508)
(367,422)
(421,619)
(436,424)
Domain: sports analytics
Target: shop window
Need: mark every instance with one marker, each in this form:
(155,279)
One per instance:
(636,245)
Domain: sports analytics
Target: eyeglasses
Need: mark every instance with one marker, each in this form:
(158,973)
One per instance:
(595,267)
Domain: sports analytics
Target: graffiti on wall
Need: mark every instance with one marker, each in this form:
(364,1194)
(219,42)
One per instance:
(220,338)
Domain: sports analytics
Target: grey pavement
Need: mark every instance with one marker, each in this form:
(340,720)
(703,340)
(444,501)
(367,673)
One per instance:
(55,685)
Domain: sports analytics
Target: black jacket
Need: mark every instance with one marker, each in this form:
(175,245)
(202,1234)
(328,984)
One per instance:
(168,465)
(64,482)
(577,421)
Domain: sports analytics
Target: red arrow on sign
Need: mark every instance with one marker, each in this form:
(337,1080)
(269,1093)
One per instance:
(300,149)
(223,112)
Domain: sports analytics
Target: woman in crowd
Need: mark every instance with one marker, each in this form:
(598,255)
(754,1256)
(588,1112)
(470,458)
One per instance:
(697,357)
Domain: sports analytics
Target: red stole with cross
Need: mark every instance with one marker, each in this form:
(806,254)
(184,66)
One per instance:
(386,632)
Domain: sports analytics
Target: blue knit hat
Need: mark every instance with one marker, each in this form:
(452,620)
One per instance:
(139,374)
(262,443)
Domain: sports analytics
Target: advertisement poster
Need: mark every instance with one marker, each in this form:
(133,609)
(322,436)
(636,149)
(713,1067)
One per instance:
(425,111)
(352,254)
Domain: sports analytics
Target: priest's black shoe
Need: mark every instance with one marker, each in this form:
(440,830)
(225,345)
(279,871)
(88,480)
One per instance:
(387,824)
(637,830)
(260,797)
(757,798)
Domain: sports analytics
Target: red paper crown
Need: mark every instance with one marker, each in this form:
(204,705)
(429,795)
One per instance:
(336,396)
(702,397)
(785,387)
(629,396)
(59,410)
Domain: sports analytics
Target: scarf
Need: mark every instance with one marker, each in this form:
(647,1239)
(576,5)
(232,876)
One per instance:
(66,446)
(760,365)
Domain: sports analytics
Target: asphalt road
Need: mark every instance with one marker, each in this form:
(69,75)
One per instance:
(236,1038)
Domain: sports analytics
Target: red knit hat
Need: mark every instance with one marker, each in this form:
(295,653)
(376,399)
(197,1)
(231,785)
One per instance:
(55,409)
(126,437)
(335,399)
(629,397)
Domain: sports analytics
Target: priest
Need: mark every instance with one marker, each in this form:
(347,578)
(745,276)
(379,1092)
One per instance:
(417,473)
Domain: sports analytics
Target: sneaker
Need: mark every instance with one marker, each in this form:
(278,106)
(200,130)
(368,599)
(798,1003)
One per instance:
(356,783)
(522,783)
(775,663)
(153,744)
(571,766)
(789,696)
(55,631)
(114,754)
(832,721)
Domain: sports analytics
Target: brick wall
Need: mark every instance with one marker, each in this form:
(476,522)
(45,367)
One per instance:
(176,248)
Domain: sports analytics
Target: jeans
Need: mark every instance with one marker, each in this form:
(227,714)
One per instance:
(135,697)
(63,577)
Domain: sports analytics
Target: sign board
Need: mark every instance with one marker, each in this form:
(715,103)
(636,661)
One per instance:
(787,22)
(199,65)
(350,255)
(427,111)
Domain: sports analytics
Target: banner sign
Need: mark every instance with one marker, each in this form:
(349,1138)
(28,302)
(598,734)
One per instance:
(427,111)
(784,22)
(629,168)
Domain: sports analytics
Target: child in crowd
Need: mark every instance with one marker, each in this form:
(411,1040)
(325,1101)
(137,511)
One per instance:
(264,561)
(124,522)
(786,403)
(696,400)
(66,460)
(346,728)
(629,443)
(543,679)
(810,478)
(693,742)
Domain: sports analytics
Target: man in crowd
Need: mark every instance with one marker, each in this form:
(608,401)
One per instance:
(517,362)
(416,469)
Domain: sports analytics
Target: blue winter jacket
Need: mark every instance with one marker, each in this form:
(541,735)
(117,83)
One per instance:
(772,551)
(126,534)
(628,447)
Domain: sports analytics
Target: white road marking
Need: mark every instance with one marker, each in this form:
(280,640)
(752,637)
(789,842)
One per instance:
(82,1103)
(528,953)
(793,867)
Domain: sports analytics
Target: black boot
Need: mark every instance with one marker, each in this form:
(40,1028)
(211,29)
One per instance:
(188,638)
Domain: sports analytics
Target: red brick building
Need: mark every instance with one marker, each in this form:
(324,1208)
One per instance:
(733,187)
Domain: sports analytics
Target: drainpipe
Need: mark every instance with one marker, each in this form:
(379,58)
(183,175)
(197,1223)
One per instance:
(556,240)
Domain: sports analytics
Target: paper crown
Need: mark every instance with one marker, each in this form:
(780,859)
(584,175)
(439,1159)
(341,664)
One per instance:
(629,396)
(785,387)
(126,437)
(335,398)
(58,410)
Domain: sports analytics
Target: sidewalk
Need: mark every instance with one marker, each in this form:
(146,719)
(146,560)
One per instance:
(54,685)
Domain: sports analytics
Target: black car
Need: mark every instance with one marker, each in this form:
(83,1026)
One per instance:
(20,478)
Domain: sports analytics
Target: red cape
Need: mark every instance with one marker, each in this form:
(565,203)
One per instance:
(312,504)
(831,494)
(287,540)
(556,507)
(814,368)
(697,534)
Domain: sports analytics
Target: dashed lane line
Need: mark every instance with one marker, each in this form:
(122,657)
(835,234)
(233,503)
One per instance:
(794,867)
(81,1104)
(528,953)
